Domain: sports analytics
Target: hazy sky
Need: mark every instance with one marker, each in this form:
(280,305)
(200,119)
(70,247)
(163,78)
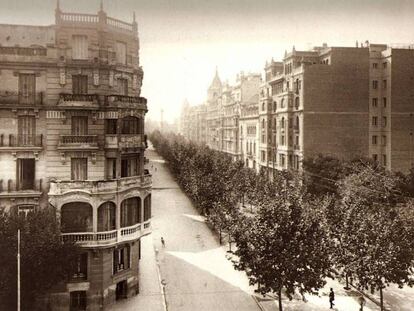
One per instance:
(182,41)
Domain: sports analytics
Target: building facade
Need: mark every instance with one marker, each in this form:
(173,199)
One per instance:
(346,102)
(72,139)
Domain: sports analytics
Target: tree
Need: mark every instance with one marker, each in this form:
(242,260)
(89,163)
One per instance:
(45,259)
(377,230)
(284,245)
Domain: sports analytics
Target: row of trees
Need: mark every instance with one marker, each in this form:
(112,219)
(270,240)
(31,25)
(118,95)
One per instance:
(352,216)
(45,259)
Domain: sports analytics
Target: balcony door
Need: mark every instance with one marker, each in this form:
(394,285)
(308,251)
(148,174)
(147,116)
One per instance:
(79,125)
(26,130)
(25,174)
(27,89)
(79,168)
(79,84)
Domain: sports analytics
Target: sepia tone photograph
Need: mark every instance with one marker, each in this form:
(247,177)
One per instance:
(216,155)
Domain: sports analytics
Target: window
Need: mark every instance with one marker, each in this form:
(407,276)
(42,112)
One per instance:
(384,160)
(384,102)
(79,47)
(130,125)
(374,121)
(130,165)
(80,84)
(78,300)
(274,106)
(375,157)
(297,141)
(282,123)
(384,65)
(123,87)
(111,126)
(282,160)
(384,84)
(374,84)
(25,174)
(297,102)
(26,129)
(263,139)
(121,52)
(282,103)
(81,267)
(263,156)
(374,139)
(111,168)
(384,140)
(374,65)
(79,125)
(27,89)
(263,107)
(282,140)
(147,207)
(384,121)
(374,102)
(79,168)
(106,217)
(121,258)
(130,212)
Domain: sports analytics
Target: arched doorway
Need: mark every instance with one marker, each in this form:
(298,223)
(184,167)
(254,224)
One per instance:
(106,217)
(130,212)
(76,217)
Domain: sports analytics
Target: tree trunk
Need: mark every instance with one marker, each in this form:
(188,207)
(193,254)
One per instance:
(229,242)
(220,236)
(280,300)
(381,299)
(347,281)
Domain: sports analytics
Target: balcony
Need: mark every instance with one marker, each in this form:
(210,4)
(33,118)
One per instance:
(126,102)
(16,99)
(21,142)
(125,141)
(12,189)
(78,142)
(58,188)
(95,239)
(84,101)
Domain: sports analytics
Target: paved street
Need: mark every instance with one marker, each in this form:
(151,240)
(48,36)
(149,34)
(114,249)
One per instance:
(196,273)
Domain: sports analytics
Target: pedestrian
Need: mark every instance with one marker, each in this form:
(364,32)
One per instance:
(331,298)
(162,242)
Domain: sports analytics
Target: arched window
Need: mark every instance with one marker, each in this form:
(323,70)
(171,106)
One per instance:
(76,217)
(130,212)
(282,103)
(282,123)
(274,106)
(263,124)
(147,207)
(106,217)
(131,125)
(297,123)
(263,106)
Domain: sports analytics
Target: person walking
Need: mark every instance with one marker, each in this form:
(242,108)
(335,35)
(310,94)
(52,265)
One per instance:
(162,242)
(331,298)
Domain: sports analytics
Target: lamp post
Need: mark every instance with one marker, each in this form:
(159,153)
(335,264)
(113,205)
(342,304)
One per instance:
(18,269)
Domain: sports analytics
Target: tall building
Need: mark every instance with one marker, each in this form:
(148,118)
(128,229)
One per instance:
(72,138)
(342,101)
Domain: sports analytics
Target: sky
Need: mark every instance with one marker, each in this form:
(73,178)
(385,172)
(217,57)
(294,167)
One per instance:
(183,41)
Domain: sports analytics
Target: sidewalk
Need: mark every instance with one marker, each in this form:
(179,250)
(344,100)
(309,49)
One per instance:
(150,297)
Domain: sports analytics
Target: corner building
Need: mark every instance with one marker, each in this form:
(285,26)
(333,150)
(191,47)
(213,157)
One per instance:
(72,138)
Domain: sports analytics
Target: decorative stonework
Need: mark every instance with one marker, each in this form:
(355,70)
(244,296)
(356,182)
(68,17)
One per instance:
(62,76)
(96,77)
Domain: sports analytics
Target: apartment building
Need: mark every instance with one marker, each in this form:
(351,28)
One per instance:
(72,138)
